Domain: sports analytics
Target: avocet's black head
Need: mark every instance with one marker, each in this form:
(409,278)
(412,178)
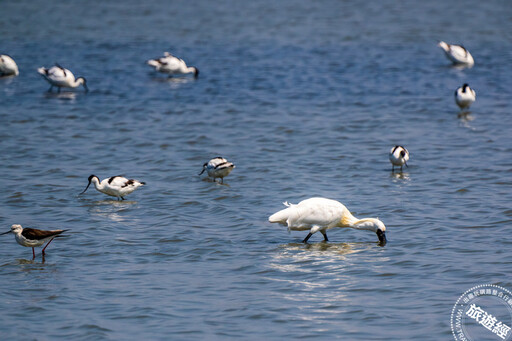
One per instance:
(196,72)
(84,83)
(402,153)
(90,180)
(204,168)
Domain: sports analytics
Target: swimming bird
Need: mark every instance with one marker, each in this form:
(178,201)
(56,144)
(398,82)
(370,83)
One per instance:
(398,156)
(218,167)
(115,186)
(172,65)
(457,54)
(61,78)
(33,237)
(8,66)
(321,214)
(465,96)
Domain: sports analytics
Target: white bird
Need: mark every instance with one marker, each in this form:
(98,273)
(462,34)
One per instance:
(320,214)
(8,66)
(172,65)
(465,96)
(116,186)
(33,237)
(61,78)
(218,167)
(457,54)
(398,156)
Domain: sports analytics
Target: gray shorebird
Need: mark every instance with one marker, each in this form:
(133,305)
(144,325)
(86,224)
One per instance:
(33,237)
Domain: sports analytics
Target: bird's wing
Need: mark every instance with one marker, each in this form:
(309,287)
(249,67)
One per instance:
(35,234)
(320,214)
(117,181)
(171,62)
(56,73)
(458,52)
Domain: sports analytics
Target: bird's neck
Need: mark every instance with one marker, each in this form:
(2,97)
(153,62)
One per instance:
(78,82)
(348,220)
(97,184)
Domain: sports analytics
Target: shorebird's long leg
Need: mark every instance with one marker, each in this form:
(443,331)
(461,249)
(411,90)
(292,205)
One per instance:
(59,90)
(221,180)
(122,198)
(307,237)
(50,89)
(33,254)
(46,246)
(325,236)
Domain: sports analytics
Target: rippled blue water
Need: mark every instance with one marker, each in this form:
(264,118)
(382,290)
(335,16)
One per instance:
(306,98)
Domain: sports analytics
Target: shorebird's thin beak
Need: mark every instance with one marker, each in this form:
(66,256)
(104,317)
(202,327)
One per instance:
(202,171)
(5,233)
(382,237)
(86,188)
(86,88)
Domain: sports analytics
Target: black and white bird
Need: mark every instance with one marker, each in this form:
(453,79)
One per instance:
(464,96)
(218,167)
(172,65)
(457,54)
(61,78)
(33,237)
(321,214)
(8,66)
(398,156)
(115,186)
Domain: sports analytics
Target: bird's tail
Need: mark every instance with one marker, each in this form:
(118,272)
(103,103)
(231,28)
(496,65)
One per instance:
(153,62)
(282,216)
(43,71)
(443,45)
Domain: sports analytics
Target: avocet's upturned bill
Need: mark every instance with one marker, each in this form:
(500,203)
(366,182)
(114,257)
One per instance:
(33,237)
(464,96)
(218,167)
(320,214)
(172,65)
(457,54)
(398,156)
(115,186)
(61,78)
(8,66)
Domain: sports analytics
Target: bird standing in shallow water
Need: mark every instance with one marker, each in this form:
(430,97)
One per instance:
(218,167)
(8,66)
(33,237)
(61,78)
(398,156)
(457,54)
(320,214)
(464,96)
(172,65)
(116,186)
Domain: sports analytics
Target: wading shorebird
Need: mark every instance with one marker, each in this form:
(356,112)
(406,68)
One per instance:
(218,167)
(116,186)
(8,66)
(398,156)
(320,214)
(172,65)
(33,237)
(61,78)
(457,54)
(464,96)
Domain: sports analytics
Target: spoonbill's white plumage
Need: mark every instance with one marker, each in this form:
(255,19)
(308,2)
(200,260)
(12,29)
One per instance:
(33,237)
(218,167)
(457,54)
(8,66)
(115,186)
(172,65)
(398,156)
(465,96)
(320,214)
(61,78)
